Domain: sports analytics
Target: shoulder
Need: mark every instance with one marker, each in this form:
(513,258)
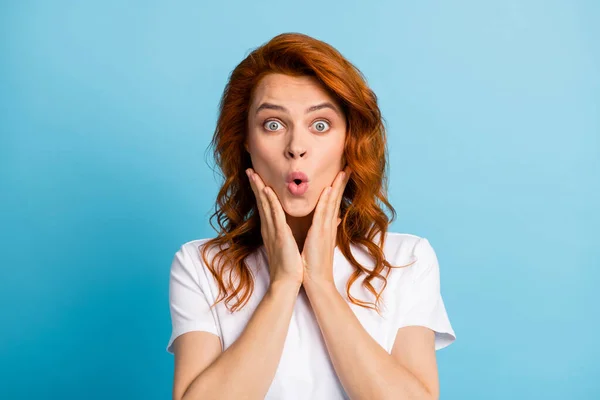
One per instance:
(194,248)
(413,251)
(401,242)
(398,249)
(188,258)
(402,247)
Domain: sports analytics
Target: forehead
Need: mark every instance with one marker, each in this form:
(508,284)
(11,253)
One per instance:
(290,90)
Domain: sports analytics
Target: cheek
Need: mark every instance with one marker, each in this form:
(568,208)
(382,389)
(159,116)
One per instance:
(266,164)
(261,155)
(331,160)
(263,147)
(335,150)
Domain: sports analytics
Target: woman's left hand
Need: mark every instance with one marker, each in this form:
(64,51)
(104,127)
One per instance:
(318,250)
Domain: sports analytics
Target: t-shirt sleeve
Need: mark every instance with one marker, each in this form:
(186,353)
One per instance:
(189,307)
(421,303)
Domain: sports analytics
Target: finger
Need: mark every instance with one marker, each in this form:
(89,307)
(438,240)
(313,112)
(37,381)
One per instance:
(321,209)
(262,201)
(256,193)
(333,203)
(340,192)
(278,214)
(266,216)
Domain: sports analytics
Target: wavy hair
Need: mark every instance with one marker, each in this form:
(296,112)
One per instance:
(365,151)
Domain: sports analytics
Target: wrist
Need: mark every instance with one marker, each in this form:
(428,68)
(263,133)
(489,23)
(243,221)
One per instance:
(285,285)
(318,284)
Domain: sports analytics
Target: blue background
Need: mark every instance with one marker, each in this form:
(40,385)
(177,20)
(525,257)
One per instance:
(106,112)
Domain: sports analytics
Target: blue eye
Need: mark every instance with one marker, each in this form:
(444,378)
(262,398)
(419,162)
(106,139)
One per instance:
(270,124)
(320,123)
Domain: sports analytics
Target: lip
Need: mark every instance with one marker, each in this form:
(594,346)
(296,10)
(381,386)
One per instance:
(297,175)
(297,190)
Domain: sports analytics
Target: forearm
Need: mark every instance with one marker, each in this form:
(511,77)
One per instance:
(364,368)
(246,369)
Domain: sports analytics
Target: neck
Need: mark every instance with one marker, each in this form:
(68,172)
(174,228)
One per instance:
(300,227)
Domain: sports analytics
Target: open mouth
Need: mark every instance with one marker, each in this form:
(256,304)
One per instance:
(297,183)
(298,187)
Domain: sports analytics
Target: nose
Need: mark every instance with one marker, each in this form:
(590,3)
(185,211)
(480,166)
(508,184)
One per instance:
(296,153)
(295,148)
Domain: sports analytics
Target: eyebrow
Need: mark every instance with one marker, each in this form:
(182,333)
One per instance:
(271,106)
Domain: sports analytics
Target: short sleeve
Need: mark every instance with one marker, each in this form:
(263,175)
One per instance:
(189,307)
(421,303)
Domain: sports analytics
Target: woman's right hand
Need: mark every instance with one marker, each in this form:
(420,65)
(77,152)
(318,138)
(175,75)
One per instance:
(285,261)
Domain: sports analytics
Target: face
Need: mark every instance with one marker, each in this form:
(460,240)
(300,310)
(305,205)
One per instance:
(285,135)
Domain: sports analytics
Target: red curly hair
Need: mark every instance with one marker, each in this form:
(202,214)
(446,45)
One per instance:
(296,54)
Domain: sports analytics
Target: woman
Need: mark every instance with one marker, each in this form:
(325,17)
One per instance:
(301,142)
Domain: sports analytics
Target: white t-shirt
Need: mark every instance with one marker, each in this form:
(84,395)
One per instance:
(305,371)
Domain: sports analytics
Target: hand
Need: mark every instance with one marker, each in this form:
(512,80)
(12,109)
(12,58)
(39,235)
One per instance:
(285,263)
(320,242)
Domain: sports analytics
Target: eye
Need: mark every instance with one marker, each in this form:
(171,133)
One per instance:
(320,124)
(272,125)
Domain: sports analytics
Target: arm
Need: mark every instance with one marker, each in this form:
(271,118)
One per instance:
(365,369)
(234,374)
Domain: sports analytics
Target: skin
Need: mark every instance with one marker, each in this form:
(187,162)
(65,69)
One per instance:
(280,142)
(365,369)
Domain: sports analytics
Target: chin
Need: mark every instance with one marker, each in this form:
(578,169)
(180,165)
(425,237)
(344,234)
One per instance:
(298,208)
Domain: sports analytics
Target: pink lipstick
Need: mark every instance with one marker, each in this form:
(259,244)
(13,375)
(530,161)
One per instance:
(297,183)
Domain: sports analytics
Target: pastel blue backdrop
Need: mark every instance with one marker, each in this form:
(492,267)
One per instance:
(106,111)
